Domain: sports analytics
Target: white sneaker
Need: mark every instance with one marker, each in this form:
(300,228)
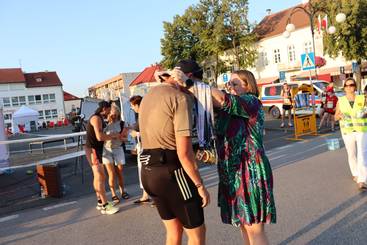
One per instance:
(290,124)
(99,206)
(282,125)
(109,209)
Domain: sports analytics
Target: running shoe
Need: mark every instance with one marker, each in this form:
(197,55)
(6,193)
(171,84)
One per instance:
(99,206)
(282,125)
(109,209)
(290,124)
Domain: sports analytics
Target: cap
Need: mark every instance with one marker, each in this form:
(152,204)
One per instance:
(188,66)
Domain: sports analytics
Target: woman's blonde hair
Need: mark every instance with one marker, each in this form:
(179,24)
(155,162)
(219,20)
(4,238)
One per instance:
(249,79)
(115,110)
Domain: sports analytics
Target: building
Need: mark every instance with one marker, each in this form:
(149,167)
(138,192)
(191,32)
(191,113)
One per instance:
(144,81)
(71,103)
(40,91)
(110,89)
(278,53)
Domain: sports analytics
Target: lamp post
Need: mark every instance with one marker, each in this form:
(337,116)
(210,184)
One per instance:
(311,12)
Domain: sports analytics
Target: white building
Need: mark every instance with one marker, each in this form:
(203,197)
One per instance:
(278,53)
(41,91)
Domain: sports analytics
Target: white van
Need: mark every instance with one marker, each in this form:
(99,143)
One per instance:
(272,101)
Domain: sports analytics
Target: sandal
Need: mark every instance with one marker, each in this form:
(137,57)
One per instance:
(125,195)
(142,201)
(115,200)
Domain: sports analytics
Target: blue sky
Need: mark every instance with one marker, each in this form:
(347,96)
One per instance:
(87,41)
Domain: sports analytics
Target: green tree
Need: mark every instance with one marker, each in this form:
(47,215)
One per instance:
(350,39)
(209,30)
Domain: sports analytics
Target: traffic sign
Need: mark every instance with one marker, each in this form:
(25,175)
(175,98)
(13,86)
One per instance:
(225,78)
(308,61)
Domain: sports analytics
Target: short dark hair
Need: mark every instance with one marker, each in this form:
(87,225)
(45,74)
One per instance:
(103,104)
(190,66)
(350,79)
(136,99)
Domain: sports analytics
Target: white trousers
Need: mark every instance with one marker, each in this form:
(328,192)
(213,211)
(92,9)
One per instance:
(356,146)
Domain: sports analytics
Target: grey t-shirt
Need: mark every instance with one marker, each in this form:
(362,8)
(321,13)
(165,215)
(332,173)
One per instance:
(112,128)
(164,114)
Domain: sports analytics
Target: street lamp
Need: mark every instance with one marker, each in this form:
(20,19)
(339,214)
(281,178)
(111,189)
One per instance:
(311,11)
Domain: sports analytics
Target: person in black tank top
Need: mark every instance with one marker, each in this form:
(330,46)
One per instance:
(93,152)
(287,104)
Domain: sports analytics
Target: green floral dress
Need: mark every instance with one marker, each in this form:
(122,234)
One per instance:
(245,194)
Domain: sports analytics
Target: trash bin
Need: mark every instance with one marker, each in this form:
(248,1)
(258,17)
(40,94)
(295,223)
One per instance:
(49,178)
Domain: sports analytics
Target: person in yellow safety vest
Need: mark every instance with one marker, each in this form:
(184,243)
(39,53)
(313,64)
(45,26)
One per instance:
(351,111)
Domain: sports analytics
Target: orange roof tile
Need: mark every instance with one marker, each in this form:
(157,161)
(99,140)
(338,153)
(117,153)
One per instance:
(68,96)
(146,76)
(11,75)
(42,79)
(275,24)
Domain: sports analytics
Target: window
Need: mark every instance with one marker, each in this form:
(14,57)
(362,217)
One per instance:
(45,99)
(22,100)
(277,56)
(6,102)
(7,116)
(54,113)
(264,59)
(291,53)
(39,79)
(38,99)
(31,100)
(308,47)
(48,114)
(52,98)
(40,116)
(208,73)
(14,101)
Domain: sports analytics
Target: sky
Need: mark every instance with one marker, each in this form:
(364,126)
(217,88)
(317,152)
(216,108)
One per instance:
(88,41)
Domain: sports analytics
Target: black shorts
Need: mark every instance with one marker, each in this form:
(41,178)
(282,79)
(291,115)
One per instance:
(170,187)
(287,107)
(97,155)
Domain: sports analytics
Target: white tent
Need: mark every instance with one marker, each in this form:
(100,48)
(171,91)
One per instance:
(26,117)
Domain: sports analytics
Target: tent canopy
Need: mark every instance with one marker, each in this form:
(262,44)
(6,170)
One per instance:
(25,112)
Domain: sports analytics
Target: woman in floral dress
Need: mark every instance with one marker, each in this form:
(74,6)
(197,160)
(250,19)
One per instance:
(245,193)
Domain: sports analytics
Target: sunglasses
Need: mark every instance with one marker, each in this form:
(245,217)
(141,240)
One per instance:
(352,85)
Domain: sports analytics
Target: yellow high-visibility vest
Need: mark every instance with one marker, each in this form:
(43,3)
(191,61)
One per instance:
(354,119)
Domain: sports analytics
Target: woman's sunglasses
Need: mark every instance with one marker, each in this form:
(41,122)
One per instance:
(352,85)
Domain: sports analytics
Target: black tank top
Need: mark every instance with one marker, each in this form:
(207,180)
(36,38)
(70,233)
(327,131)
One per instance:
(92,141)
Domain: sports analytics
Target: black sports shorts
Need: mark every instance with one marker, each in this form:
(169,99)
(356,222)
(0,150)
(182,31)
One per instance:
(170,187)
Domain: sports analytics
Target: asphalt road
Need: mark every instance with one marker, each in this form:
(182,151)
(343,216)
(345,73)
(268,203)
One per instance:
(317,203)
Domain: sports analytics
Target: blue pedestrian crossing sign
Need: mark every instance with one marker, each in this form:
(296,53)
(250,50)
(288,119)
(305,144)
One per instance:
(308,61)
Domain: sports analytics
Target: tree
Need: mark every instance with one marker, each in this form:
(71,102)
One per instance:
(209,30)
(238,32)
(350,39)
